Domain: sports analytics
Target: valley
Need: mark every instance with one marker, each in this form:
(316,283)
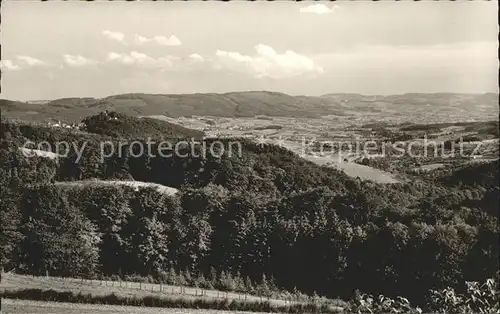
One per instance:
(323,193)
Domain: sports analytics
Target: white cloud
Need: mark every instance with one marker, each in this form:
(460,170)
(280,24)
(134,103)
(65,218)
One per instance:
(114,35)
(268,63)
(9,65)
(30,60)
(77,60)
(22,62)
(196,57)
(141,39)
(121,58)
(138,59)
(318,8)
(170,41)
(160,40)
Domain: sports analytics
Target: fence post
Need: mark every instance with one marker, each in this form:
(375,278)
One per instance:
(140,285)
(46,273)
(161,288)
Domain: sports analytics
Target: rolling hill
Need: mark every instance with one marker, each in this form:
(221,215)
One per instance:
(252,103)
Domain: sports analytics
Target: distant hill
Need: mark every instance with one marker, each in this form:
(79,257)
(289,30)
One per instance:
(247,104)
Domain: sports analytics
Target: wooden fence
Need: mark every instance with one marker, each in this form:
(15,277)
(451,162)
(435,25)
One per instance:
(148,287)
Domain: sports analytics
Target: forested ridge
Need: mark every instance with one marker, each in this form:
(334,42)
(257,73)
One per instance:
(252,103)
(122,126)
(266,213)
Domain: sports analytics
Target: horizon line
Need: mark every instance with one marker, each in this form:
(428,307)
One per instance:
(257,91)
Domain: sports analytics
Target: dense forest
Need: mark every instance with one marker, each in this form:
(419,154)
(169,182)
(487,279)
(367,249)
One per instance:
(265,213)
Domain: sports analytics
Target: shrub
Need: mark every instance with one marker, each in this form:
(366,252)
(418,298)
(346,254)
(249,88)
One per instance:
(478,298)
(365,303)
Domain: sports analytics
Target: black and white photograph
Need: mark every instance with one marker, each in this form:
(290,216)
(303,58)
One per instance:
(223,157)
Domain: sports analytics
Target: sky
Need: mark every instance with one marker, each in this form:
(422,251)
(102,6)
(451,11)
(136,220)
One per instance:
(56,49)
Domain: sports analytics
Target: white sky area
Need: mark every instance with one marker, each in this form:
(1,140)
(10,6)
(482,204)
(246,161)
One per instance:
(94,49)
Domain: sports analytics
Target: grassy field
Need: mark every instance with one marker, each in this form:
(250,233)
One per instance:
(180,297)
(354,170)
(133,184)
(37,307)
(122,288)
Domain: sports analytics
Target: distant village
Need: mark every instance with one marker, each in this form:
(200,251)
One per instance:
(59,124)
(78,126)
